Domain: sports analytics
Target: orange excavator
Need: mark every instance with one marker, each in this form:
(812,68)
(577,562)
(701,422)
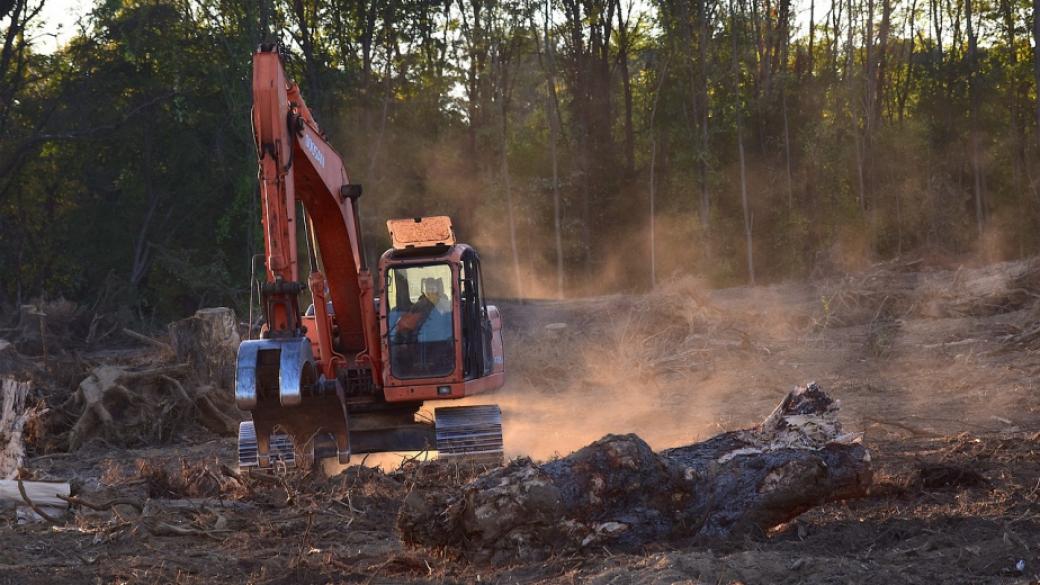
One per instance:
(350,373)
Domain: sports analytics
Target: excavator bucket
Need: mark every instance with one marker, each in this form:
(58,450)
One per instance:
(291,409)
(295,365)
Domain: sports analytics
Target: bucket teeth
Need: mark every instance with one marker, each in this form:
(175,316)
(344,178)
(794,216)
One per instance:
(471,433)
(281,449)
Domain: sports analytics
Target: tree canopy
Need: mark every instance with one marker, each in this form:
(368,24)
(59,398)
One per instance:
(583,146)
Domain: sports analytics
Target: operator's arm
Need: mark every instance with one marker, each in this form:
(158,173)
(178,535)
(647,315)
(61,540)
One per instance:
(411,320)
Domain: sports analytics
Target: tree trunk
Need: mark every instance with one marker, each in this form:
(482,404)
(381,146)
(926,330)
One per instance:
(553,115)
(812,35)
(377,146)
(746,206)
(860,170)
(744,202)
(509,199)
(617,493)
(653,235)
(653,182)
(142,252)
(973,115)
(785,40)
(626,83)
(787,150)
(705,106)
(882,59)
(905,92)
(1036,63)
(1018,160)
(870,115)
(307,25)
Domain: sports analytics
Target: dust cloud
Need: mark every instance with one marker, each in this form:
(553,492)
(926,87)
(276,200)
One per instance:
(900,343)
(903,345)
(657,365)
(684,361)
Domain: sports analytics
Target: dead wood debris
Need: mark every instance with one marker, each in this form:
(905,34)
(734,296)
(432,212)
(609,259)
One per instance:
(17,410)
(899,289)
(124,397)
(109,408)
(617,492)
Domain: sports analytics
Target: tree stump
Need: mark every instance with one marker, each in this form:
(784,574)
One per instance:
(208,343)
(15,413)
(618,493)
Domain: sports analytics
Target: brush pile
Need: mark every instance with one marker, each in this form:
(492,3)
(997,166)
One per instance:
(901,288)
(673,332)
(618,493)
(63,389)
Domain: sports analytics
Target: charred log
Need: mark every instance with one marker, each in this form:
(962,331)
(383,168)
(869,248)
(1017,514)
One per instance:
(618,493)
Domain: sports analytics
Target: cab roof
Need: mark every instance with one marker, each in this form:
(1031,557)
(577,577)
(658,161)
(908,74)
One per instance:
(421,232)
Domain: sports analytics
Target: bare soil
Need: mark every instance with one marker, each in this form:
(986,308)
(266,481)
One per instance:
(937,367)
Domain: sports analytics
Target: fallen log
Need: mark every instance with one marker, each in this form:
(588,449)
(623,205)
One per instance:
(619,494)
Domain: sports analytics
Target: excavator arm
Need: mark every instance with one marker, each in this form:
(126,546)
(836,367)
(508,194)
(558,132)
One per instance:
(298,360)
(298,164)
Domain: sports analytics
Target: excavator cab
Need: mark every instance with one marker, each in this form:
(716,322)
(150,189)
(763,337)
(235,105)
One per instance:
(441,338)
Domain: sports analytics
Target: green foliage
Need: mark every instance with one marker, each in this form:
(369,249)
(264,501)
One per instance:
(128,153)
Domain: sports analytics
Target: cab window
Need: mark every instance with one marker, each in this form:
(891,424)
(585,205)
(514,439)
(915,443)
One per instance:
(420,321)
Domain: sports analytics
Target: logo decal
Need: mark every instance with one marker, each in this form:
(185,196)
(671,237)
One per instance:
(312,148)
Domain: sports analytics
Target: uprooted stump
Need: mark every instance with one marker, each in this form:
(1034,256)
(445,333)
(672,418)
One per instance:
(134,406)
(618,493)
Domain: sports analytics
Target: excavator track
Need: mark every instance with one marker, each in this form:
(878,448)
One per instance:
(281,449)
(470,433)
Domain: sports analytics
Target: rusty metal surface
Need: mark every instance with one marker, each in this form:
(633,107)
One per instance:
(421,232)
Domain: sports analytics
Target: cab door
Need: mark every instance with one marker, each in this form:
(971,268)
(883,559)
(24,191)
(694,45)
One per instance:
(420,320)
(476,324)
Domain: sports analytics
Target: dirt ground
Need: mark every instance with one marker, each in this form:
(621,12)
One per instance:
(936,365)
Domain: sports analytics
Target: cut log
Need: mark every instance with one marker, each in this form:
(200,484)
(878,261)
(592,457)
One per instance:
(208,342)
(618,493)
(44,494)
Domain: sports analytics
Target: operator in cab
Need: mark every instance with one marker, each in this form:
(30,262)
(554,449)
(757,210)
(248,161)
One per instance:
(422,335)
(437,325)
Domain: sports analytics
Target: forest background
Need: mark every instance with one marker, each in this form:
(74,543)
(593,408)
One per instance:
(583,146)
